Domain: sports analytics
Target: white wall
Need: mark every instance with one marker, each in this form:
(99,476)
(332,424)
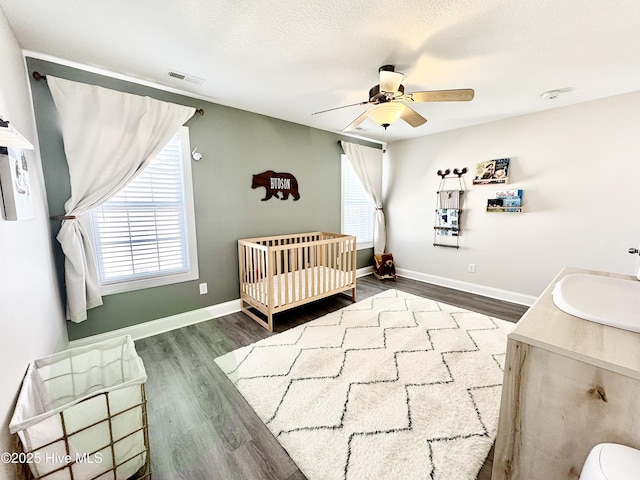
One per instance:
(31,315)
(579,167)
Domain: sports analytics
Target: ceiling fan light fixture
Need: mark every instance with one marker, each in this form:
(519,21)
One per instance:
(386,113)
(390,81)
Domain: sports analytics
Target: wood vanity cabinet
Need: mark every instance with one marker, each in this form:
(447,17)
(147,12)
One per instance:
(569,384)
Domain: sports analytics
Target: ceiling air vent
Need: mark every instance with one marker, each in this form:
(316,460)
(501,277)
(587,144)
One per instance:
(185,77)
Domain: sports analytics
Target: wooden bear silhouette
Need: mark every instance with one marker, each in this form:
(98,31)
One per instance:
(277,182)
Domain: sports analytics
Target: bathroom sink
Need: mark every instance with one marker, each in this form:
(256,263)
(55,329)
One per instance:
(606,300)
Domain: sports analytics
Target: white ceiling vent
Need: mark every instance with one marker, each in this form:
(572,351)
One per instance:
(185,77)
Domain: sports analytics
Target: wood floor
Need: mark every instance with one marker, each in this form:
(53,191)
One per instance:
(202,428)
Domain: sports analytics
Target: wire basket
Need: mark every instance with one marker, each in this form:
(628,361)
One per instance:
(82,415)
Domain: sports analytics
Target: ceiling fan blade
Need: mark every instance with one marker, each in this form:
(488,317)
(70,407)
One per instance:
(356,122)
(338,108)
(390,81)
(412,117)
(461,95)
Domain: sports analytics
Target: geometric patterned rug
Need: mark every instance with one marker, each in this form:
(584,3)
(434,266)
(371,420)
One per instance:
(392,387)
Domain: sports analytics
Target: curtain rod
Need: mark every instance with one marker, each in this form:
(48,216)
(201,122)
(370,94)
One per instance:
(37,76)
(384,150)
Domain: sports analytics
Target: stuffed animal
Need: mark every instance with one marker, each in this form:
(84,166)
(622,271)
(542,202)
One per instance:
(383,266)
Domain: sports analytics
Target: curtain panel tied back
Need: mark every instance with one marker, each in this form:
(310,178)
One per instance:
(109,138)
(367,163)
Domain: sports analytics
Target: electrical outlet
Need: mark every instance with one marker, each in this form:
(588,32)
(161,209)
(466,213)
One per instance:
(472,268)
(203,288)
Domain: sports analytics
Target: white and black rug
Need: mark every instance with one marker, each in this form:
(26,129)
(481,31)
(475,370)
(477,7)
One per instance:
(392,387)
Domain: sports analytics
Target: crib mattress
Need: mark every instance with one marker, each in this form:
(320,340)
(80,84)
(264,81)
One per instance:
(299,285)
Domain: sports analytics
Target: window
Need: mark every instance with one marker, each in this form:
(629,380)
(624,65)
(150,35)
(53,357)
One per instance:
(358,212)
(145,235)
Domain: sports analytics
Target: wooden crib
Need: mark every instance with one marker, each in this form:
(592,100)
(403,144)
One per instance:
(286,271)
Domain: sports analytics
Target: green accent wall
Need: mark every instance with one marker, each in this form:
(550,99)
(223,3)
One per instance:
(235,145)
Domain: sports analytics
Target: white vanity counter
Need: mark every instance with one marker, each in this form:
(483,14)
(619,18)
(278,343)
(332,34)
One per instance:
(546,326)
(569,384)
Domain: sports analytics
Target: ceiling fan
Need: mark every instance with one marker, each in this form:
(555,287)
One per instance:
(389,101)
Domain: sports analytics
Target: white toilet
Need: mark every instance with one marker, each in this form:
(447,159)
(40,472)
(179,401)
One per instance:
(610,461)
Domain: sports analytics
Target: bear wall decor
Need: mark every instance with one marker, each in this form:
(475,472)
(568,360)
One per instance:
(274,183)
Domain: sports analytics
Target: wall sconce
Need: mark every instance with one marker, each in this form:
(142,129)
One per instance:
(195,155)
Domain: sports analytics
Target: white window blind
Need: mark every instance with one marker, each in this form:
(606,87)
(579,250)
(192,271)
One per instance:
(146,232)
(358,212)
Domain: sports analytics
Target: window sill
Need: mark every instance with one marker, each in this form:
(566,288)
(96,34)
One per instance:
(159,281)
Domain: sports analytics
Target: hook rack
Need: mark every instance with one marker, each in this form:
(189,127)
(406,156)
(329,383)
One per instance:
(447,222)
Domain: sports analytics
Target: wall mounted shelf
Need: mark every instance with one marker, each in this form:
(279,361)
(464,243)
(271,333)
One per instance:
(504,209)
(506,201)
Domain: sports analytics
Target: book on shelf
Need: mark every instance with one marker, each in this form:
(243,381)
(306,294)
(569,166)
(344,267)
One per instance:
(492,171)
(505,201)
(495,205)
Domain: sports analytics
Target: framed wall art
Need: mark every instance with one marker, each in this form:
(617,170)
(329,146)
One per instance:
(17,203)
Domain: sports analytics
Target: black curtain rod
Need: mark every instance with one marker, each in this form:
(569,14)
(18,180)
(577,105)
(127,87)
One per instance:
(37,76)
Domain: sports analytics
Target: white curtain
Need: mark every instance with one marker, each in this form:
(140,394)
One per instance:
(109,137)
(367,163)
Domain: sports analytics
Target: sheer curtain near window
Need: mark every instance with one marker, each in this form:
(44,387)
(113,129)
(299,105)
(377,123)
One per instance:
(109,137)
(367,163)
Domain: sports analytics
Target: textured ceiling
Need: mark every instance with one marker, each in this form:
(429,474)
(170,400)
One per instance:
(290,58)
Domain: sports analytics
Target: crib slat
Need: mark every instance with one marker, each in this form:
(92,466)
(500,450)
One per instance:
(266,275)
(291,268)
(258,269)
(340,250)
(326,265)
(316,271)
(345,262)
(241,267)
(351,264)
(278,259)
(286,277)
(265,288)
(308,273)
(254,283)
(299,284)
(334,261)
(341,269)
(249,277)
(254,273)
(259,273)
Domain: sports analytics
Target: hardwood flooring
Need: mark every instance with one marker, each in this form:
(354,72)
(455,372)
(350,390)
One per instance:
(200,427)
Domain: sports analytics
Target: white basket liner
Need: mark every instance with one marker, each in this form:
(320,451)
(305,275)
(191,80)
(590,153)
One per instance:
(60,382)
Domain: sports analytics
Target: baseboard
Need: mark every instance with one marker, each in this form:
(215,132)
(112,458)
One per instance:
(162,325)
(363,272)
(506,295)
